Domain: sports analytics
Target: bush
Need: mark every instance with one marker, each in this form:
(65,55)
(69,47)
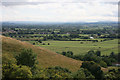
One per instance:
(39,41)
(33,43)
(6,59)
(43,43)
(81,42)
(92,57)
(108,60)
(82,74)
(94,68)
(15,71)
(26,57)
(103,64)
(79,74)
(64,53)
(48,43)
(98,53)
(54,73)
(68,53)
(88,74)
(113,74)
(110,75)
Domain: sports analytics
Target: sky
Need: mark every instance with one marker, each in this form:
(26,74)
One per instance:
(59,11)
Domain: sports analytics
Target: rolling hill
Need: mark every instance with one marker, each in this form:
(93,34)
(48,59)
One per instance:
(46,58)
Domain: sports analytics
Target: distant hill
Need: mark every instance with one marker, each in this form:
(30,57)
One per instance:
(46,58)
(58,25)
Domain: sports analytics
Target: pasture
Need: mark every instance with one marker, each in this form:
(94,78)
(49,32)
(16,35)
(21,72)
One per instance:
(80,47)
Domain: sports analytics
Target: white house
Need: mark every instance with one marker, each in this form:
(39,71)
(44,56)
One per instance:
(91,37)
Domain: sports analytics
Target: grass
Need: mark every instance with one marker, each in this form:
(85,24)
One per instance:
(105,47)
(46,58)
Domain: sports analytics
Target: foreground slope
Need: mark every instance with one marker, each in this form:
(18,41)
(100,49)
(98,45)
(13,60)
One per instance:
(46,58)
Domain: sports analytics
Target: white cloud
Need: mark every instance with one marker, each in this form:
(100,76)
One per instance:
(61,12)
(60,0)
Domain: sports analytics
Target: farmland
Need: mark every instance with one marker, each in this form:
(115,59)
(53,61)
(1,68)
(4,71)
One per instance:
(60,49)
(67,37)
(81,47)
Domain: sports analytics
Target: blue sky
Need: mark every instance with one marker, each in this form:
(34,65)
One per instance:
(59,11)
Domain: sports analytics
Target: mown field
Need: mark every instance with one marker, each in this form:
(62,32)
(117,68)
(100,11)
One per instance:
(106,47)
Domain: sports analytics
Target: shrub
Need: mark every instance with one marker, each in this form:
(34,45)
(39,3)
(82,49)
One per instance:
(98,53)
(33,43)
(79,74)
(48,43)
(15,71)
(39,41)
(82,74)
(94,68)
(103,64)
(43,43)
(54,73)
(26,57)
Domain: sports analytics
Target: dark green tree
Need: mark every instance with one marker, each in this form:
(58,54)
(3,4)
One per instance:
(94,68)
(27,57)
(48,43)
(63,53)
(103,64)
(98,53)
(39,41)
(83,74)
(53,73)
(79,74)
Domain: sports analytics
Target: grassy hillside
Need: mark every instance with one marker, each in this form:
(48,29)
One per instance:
(46,58)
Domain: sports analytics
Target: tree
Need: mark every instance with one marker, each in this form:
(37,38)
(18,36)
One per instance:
(81,42)
(92,57)
(113,74)
(27,57)
(15,71)
(39,41)
(33,43)
(103,64)
(79,74)
(64,53)
(53,73)
(99,34)
(118,57)
(48,43)
(94,68)
(113,55)
(74,35)
(43,43)
(107,60)
(98,53)
(91,52)
(110,75)
(69,53)
(83,74)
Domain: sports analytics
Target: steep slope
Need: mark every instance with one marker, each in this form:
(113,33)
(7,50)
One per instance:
(46,58)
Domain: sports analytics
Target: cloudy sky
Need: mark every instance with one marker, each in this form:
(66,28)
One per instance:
(59,11)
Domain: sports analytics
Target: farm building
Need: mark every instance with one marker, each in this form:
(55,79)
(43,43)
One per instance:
(91,37)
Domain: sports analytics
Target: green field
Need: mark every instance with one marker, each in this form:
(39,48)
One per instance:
(105,47)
